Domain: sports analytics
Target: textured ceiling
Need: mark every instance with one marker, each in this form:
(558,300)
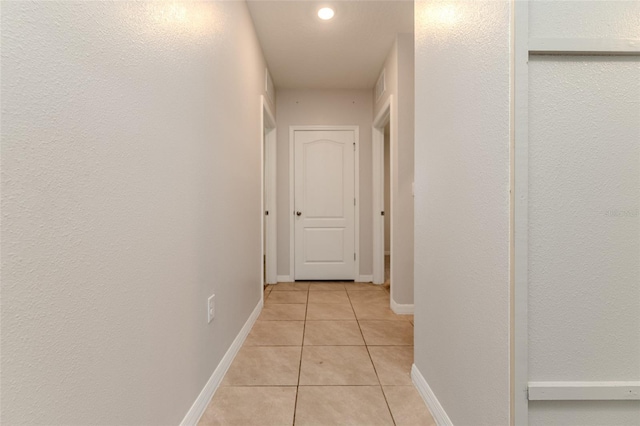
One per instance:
(346,52)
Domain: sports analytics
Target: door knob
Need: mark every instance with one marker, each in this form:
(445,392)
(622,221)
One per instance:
(298,213)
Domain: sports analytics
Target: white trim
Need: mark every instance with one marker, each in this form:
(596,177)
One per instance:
(202,401)
(584,46)
(584,391)
(268,193)
(381,85)
(521,219)
(384,114)
(356,189)
(377,156)
(269,87)
(364,278)
(399,309)
(290,213)
(437,411)
(285,279)
(383,117)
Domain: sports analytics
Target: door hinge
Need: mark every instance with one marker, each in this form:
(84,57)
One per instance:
(266,213)
(354,146)
(381,213)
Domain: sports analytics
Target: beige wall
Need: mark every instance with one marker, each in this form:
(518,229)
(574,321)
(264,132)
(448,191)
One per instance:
(399,74)
(130,193)
(324,107)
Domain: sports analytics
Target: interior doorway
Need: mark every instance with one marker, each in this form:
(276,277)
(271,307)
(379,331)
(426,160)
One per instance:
(383,196)
(268,218)
(387,203)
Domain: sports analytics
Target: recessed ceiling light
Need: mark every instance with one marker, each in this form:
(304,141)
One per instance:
(326,13)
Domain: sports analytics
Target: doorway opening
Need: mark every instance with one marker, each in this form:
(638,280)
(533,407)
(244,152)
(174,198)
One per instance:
(383,144)
(387,204)
(268,218)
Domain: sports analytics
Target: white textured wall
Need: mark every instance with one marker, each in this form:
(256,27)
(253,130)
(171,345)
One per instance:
(584,212)
(130,193)
(399,74)
(584,229)
(462,207)
(584,19)
(584,226)
(324,107)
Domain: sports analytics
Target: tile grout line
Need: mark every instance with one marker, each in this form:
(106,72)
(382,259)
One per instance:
(372,363)
(304,329)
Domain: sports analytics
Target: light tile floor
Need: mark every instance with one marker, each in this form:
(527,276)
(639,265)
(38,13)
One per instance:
(322,354)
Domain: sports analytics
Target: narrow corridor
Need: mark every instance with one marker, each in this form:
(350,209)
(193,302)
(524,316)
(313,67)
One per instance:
(323,354)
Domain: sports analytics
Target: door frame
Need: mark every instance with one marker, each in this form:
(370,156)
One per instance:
(268,194)
(356,172)
(383,118)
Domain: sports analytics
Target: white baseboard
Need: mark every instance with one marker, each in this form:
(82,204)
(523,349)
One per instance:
(200,405)
(365,278)
(437,411)
(399,309)
(285,279)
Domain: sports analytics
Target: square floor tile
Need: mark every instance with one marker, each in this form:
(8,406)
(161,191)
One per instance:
(336,365)
(323,286)
(363,286)
(287,297)
(387,333)
(371,296)
(249,406)
(283,312)
(407,407)
(330,311)
(342,405)
(276,333)
(377,310)
(332,333)
(328,297)
(393,364)
(264,366)
(291,287)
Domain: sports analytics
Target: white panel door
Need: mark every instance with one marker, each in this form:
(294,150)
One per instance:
(324,205)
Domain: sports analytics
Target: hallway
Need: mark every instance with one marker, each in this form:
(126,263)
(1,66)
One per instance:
(149,164)
(322,354)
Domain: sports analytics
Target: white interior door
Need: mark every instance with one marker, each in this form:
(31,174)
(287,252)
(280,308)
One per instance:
(324,205)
